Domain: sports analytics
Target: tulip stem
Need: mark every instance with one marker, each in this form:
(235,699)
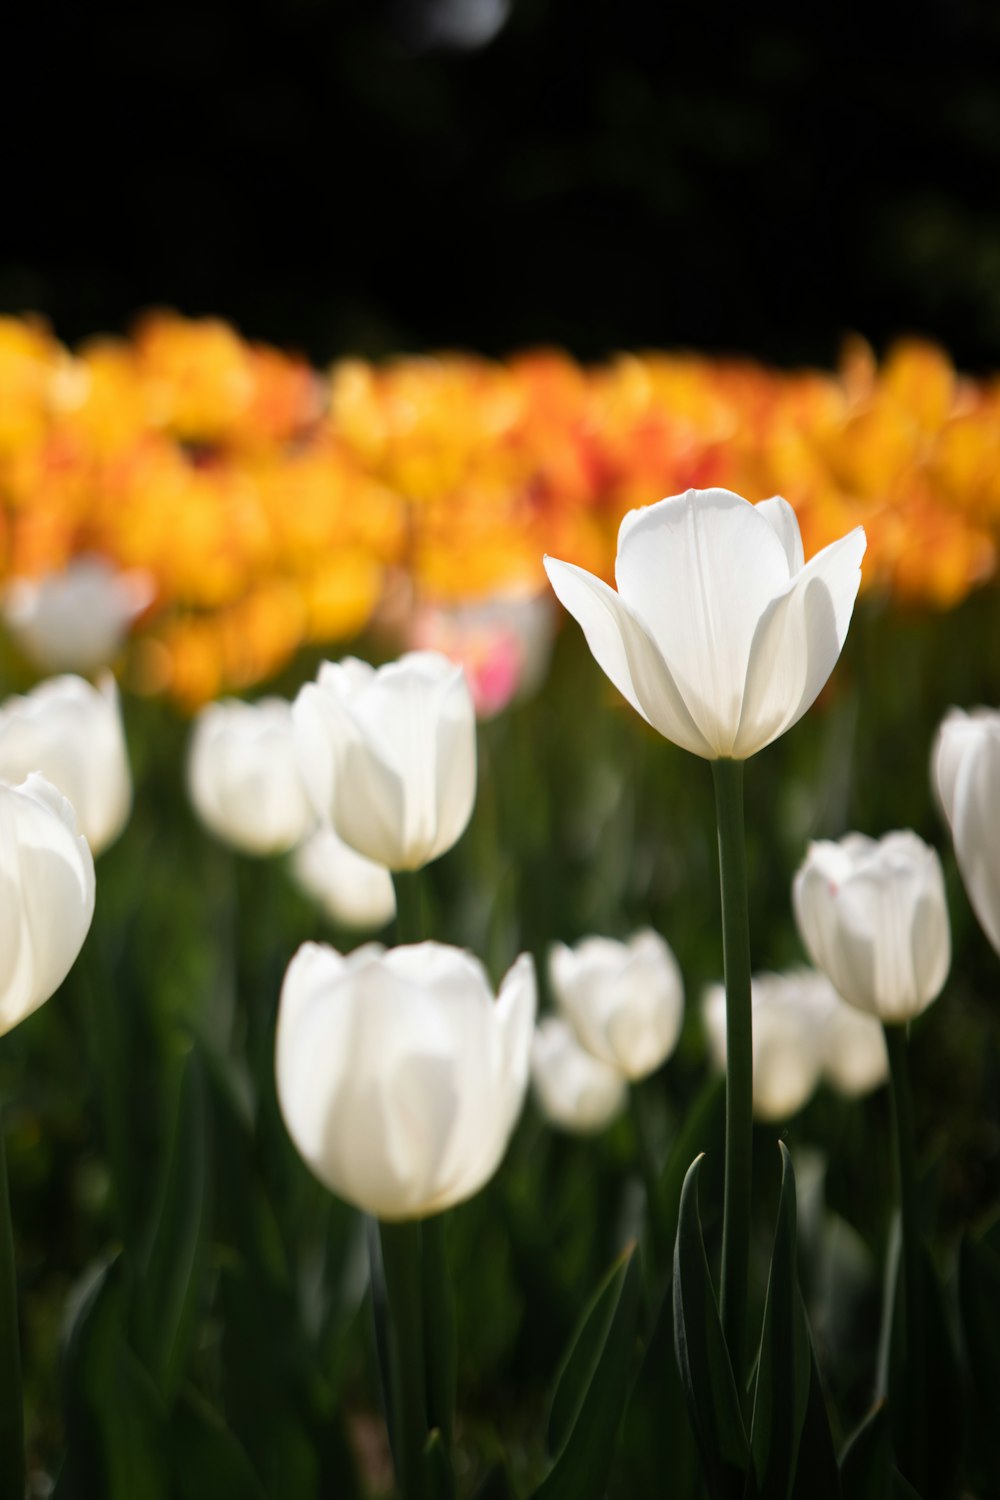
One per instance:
(11,1402)
(408,885)
(728,778)
(650,1169)
(407,1394)
(910,1254)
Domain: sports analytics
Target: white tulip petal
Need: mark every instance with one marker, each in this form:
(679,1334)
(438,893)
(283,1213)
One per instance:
(780,515)
(353,891)
(797,643)
(47,890)
(976,825)
(624,652)
(699,570)
(574,1091)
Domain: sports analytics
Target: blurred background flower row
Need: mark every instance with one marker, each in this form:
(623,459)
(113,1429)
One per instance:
(254,504)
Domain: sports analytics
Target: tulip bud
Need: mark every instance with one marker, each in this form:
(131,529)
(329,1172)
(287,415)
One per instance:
(243,776)
(72,733)
(76,620)
(719,634)
(873,916)
(966,773)
(351,890)
(47,872)
(389,756)
(802,1031)
(400,1078)
(574,1090)
(625,1001)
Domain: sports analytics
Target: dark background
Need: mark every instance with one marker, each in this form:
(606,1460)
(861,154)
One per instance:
(341,176)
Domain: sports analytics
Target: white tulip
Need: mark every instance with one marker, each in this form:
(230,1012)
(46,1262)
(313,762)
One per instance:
(389,756)
(573,1089)
(719,634)
(966,773)
(351,890)
(47,873)
(243,776)
(802,1031)
(873,916)
(72,733)
(400,1078)
(77,619)
(625,1001)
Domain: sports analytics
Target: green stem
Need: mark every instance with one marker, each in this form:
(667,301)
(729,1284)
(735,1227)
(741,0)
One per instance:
(650,1170)
(728,778)
(401,1265)
(906,1189)
(439,1329)
(409,906)
(11,1401)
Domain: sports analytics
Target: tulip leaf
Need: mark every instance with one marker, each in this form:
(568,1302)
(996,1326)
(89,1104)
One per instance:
(117,1435)
(866,1463)
(495,1485)
(592,1388)
(817,1476)
(702,1356)
(926,1405)
(439,1481)
(168,1293)
(703,1131)
(784,1362)
(979,1304)
(211,1462)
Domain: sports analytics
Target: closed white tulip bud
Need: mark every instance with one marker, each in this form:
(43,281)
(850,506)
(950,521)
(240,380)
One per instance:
(77,619)
(625,1001)
(47,873)
(573,1089)
(351,890)
(719,634)
(802,1031)
(873,916)
(243,776)
(389,756)
(400,1078)
(966,774)
(72,733)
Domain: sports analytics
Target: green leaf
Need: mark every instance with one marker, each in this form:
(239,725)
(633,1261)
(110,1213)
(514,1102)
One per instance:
(702,1356)
(866,1463)
(211,1462)
(703,1132)
(496,1484)
(118,1442)
(979,1305)
(439,1481)
(817,1476)
(784,1362)
(926,1400)
(592,1388)
(168,1292)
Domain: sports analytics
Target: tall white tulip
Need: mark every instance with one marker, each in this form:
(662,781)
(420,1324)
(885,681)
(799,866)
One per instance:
(72,734)
(76,620)
(802,1031)
(719,634)
(243,776)
(389,756)
(400,1078)
(625,1001)
(47,875)
(574,1090)
(352,890)
(966,773)
(873,916)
